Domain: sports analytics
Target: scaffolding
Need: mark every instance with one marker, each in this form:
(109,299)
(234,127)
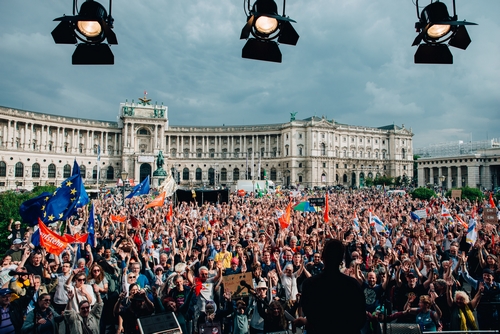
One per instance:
(457,148)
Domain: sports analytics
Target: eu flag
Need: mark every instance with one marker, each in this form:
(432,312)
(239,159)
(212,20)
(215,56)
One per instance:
(91,227)
(63,201)
(84,198)
(140,189)
(31,209)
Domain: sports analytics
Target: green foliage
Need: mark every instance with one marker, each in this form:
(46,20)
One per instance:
(368,182)
(471,194)
(398,181)
(383,180)
(11,200)
(423,193)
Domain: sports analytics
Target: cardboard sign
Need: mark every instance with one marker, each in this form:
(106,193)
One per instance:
(490,216)
(456,193)
(421,213)
(232,283)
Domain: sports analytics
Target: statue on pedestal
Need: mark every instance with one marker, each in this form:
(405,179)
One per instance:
(160,161)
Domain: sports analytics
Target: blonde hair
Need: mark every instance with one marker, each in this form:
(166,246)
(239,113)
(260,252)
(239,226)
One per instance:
(462,294)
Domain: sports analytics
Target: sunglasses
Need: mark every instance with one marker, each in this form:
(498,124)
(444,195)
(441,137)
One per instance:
(46,300)
(131,277)
(81,280)
(96,271)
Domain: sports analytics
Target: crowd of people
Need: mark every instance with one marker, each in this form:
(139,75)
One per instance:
(340,274)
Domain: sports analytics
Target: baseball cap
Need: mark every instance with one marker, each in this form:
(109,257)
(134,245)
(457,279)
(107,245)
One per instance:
(17,242)
(5,291)
(412,273)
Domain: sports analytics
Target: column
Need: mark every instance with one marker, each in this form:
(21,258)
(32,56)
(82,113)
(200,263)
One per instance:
(132,136)
(459,177)
(125,137)
(106,139)
(431,175)
(473,176)
(177,143)
(156,137)
(25,136)
(449,178)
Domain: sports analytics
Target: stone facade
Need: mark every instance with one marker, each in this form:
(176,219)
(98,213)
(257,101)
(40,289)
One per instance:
(38,149)
(480,169)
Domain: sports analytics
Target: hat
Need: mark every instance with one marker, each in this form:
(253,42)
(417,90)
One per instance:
(210,257)
(17,242)
(196,249)
(488,271)
(262,285)
(158,267)
(17,222)
(235,260)
(412,273)
(5,291)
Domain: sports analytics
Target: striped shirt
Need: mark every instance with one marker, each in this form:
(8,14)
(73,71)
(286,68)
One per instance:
(6,327)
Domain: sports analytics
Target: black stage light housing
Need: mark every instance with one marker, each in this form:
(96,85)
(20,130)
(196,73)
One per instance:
(435,27)
(266,25)
(91,26)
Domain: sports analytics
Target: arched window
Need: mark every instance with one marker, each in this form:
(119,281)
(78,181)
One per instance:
(143,131)
(403,153)
(67,171)
(19,172)
(198,174)
(323,149)
(3,169)
(185,174)
(223,174)
(52,171)
(236,174)
(344,178)
(94,173)
(35,170)
(299,149)
(273,174)
(110,173)
(83,170)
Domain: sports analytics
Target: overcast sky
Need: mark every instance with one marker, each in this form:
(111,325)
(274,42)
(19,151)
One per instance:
(353,63)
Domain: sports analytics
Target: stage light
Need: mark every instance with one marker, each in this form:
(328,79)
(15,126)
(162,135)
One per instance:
(92,26)
(435,27)
(266,25)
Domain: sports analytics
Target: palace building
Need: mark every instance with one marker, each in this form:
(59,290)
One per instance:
(38,149)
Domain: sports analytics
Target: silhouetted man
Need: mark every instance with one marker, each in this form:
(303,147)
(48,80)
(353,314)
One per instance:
(332,301)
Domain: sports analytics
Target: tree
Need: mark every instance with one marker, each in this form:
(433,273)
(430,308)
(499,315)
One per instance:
(383,180)
(369,182)
(471,194)
(423,193)
(11,201)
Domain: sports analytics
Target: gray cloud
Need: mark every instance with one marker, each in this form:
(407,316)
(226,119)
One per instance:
(353,63)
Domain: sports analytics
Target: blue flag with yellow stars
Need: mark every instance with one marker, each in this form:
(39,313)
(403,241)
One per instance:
(62,203)
(140,189)
(84,198)
(30,210)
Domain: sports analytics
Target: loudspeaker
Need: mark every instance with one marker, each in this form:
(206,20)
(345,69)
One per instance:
(401,328)
(165,323)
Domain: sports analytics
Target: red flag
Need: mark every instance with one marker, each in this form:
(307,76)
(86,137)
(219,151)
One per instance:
(327,208)
(461,222)
(492,202)
(135,222)
(169,213)
(118,219)
(50,240)
(284,220)
(76,239)
(158,201)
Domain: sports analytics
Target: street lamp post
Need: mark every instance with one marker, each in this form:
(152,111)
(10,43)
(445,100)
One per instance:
(442,178)
(463,182)
(124,176)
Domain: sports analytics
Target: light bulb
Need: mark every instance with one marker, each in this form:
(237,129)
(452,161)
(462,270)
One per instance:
(266,25)
(436,31)
(89,28)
